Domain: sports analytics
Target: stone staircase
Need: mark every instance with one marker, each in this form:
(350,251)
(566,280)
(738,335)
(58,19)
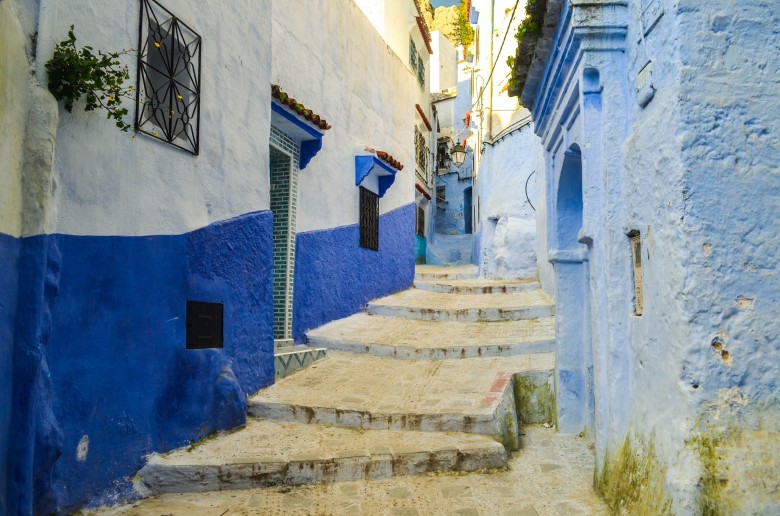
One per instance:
(434,378)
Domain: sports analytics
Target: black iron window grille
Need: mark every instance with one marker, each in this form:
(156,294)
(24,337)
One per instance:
(168,93)
(420,221)
(369,219)
(421,152)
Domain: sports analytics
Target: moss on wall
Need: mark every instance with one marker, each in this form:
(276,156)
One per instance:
(631,480)
(534,399)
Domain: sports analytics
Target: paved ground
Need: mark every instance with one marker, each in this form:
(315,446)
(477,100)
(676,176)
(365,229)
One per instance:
(551,475)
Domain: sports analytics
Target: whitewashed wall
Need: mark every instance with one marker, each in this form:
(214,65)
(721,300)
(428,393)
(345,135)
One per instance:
(108,184)
(444,73)
(346,73)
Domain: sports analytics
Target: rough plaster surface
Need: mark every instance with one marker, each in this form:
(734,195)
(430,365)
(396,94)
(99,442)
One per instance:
(105,330)
(702,193)
(345,71)
(507,221)
(108,184)
(334,277)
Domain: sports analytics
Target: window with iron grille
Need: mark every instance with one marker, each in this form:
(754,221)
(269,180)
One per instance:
(420,221)
(412,54)
(421,152)
(636,260)
(420,71)
(168,93)
(441,193)
(369,219)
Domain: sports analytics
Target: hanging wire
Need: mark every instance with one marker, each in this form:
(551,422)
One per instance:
(526,190)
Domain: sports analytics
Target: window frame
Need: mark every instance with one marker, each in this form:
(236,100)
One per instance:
(182,72)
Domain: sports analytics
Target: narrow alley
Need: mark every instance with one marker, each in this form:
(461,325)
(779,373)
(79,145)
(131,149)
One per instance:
(443,382)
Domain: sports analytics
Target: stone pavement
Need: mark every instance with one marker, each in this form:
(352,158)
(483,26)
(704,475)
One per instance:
(437,386)
(551,475)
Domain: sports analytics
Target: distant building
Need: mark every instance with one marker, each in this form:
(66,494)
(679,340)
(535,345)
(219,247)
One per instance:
(147,281)
(659,239)
(402,25)
(504,162)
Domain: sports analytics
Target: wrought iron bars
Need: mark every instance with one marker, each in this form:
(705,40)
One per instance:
(168,92)
(369,219)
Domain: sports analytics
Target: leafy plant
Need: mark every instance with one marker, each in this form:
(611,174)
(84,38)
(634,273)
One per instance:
(464,30)
(74,73)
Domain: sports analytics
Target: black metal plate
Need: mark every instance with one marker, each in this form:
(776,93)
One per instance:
(204,325)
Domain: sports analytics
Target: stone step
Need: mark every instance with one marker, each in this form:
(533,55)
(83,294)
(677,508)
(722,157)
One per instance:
(473,395)
(269,453)
(414,339)
(428,272)
(477,286)
(435,306)
(289,359)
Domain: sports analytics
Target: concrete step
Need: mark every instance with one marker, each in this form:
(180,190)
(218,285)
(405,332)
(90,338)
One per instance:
(476,286)
(435,306)
(269,453)
(428,272)
(290,359)
(414,339)
(473,395)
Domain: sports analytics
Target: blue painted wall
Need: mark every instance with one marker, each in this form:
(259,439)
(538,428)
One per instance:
(9,251)
(335,277)
(112,319)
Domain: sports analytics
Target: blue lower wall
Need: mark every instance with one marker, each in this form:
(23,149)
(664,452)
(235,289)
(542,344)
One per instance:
(113,325)
(335,277)
(9,252)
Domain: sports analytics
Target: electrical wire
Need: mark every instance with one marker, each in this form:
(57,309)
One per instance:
(526,190)
(511,18)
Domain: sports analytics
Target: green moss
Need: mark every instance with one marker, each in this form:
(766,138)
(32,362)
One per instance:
(631,481)
(713,501)
(534,400)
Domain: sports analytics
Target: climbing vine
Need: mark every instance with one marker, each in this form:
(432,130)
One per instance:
(529,30)
(99,78)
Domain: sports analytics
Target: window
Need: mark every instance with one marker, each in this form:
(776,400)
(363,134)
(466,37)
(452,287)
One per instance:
(420,221)
(412,54)
(369,219)
(421,153)
(420,72)
(441,193)
(636,259)
(168,93)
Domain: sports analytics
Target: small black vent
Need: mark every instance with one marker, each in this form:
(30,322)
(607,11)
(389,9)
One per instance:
(204,325)
(369,219)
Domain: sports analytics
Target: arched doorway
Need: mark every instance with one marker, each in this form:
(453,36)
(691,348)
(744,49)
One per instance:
(572,325)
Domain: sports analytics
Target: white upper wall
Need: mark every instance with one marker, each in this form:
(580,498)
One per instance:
(108,184)
(443,63)
(345,72)
(494,24)
(13,116)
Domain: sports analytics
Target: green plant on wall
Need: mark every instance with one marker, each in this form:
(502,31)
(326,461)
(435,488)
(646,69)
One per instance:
(464,30)
(74,73)
(529,30)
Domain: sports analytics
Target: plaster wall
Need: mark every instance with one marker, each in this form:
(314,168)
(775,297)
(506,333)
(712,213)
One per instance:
(508,239)
(335,70)
(697,369)
(444,73)
(117,186)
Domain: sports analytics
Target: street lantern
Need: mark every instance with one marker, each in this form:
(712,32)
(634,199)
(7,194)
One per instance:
(458,154)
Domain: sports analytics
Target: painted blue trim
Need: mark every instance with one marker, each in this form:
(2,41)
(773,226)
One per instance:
(309,138)
(364,165)
(335,277)
(99,351)
(9,274)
